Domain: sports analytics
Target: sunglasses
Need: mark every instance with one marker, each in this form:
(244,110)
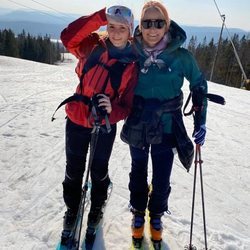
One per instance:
(148,23)
(120,11)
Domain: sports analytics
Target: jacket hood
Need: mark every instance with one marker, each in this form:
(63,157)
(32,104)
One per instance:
(176,34)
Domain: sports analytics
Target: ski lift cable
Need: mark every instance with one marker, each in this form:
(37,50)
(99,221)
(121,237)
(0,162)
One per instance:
(50,8)
(235,52)
(22,5)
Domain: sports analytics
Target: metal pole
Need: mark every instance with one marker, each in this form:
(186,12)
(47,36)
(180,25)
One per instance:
(191,247)
(216,54)
(235,52)
(202,197)
(93,143)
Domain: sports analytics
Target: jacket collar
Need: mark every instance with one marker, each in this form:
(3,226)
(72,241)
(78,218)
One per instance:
(125,55)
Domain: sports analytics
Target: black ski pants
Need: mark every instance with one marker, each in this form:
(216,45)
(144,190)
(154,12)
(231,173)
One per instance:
(162,161)
(77,145)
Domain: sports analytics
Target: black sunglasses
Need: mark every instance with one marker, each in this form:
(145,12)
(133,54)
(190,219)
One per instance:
(157,23)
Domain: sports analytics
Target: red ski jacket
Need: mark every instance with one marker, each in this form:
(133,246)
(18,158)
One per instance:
(80,39)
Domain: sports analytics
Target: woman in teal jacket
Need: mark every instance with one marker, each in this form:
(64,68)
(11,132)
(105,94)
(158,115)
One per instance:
(156,118)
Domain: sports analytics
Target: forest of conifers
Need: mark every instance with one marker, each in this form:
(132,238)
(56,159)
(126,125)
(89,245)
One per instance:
(217,60)
(25,46)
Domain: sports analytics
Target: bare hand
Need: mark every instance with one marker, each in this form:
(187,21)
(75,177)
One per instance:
(104,102)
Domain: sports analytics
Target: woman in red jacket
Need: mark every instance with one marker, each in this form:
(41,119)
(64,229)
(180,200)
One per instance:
(106,70)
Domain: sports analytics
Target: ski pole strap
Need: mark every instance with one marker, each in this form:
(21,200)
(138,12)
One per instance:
(216,99)
(108,126)
(97,121)
(186,104)
(75,97)
(210,97)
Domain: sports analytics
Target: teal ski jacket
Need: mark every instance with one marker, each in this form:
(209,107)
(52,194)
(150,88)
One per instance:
(166,83)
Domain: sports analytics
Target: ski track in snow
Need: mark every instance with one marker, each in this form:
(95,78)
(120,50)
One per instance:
(32,168)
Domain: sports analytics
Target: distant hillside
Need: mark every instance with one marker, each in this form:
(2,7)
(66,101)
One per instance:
(34,28)
(211,32)
(33,16)
(37,23)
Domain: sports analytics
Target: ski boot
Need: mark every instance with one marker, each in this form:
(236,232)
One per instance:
(137,227)
(94,217)
(156,230)
(69,220)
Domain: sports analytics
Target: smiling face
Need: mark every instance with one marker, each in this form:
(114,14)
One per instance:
(118,34)
(151,36)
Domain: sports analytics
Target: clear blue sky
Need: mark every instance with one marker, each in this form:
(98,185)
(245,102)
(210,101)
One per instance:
(187,12)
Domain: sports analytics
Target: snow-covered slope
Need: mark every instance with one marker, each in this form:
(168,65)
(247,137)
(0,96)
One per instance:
(32,165)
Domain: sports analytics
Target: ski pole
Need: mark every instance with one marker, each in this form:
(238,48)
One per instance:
(93,142)
(202,196)
(191,247)
(197,161)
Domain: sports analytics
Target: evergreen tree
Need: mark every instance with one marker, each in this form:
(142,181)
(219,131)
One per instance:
(244,54)
(1,43)
(222,60)
(21,42)
(9,46)
(192,45)
(200,55)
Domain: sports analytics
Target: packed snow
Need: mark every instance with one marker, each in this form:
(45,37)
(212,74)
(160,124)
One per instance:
(32,165)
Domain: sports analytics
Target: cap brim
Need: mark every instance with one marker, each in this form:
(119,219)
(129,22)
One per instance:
(117,19)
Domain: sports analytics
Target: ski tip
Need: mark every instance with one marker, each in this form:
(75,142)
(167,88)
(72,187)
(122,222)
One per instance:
(60,247)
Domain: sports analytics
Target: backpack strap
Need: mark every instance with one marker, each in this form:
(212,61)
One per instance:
(93,58)
(91,61)
(116,72)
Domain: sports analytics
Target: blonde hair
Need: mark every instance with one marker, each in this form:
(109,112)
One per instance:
(158,6)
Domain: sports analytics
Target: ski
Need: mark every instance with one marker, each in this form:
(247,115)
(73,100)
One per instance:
(89,238)
(91,232)
(69,239)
